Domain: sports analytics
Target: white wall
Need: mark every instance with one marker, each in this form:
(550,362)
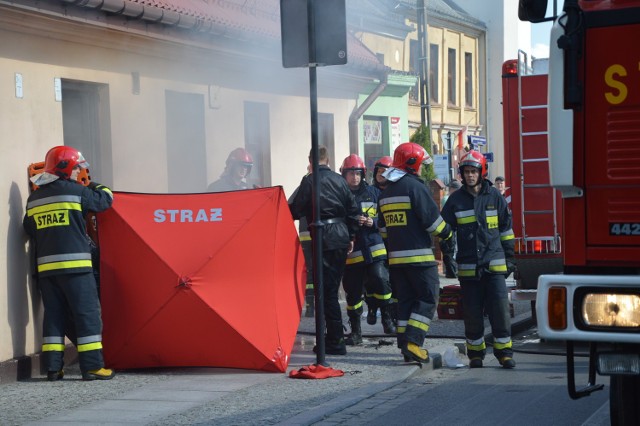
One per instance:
(505,35)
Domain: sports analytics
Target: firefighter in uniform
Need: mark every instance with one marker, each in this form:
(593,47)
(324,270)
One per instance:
(411,217)
(381,182)
(365,267)
(55,220)
(338,213)
(237,169)
(479,214)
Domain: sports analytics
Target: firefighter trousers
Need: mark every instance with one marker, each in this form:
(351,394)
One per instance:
(76,293)
(486,295)
(418,289)
(372,278)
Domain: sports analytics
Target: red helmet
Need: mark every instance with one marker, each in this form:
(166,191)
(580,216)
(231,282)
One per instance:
(474,159)
(240,156)
(409,156)
(353,162)
(384,162)
(61,160)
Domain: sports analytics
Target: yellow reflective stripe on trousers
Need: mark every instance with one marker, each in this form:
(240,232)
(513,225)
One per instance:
(419,321)
(305,236)
(380,296)
(476,345)
(502,342)
(354,307)
(64,265)
(309,286)
(90,347)
(52,347)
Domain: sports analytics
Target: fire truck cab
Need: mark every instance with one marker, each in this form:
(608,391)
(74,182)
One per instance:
(594,162)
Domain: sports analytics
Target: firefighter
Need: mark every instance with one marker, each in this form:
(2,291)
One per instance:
(339,212)
(55,220)
(379,168)
(237,169)
(479,215)
(380,182)
(365,267)
(411,216)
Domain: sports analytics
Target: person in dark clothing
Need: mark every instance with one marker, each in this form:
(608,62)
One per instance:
(411,216)
(366,263)
(381,183)
(448,259)
(480,216)
(237,169)
(338,212)
(55,220)
(307,250)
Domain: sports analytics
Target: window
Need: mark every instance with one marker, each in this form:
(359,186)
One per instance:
(186,145)
(452,77)
(434,65)
(468,79)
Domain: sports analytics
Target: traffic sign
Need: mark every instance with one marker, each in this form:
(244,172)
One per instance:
(476,140)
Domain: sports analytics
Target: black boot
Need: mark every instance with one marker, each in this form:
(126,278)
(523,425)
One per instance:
(334,342)
(393,311)
(372,315)
(355,338)
(387,322)
(310,307)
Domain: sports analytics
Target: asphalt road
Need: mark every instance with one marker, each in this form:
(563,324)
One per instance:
(534,393)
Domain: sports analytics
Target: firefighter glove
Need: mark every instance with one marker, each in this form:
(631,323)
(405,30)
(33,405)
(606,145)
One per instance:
(448,246)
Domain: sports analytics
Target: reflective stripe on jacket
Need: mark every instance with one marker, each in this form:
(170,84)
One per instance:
(483,229)
(410,216)
(369,246)
(55,218)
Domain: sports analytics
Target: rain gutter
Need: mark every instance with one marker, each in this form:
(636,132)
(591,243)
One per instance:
(358,112)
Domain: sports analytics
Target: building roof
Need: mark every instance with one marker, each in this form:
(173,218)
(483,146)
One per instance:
(448,10)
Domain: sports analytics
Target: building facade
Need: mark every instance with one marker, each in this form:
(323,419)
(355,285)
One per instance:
(155,95)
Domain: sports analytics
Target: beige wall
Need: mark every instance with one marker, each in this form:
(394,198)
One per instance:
(445,117)
(33,124)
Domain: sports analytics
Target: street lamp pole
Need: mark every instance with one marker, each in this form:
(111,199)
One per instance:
(425,102)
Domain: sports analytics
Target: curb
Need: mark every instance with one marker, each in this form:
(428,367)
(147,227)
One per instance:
(353,397)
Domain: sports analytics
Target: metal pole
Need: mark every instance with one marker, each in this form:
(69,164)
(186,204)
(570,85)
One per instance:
(425,101)
(317,225)
(450,155)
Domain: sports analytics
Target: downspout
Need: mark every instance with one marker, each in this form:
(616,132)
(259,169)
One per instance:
(358,112)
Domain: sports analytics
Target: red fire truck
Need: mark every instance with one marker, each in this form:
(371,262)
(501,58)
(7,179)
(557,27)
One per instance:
(594,152)
(535,205)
